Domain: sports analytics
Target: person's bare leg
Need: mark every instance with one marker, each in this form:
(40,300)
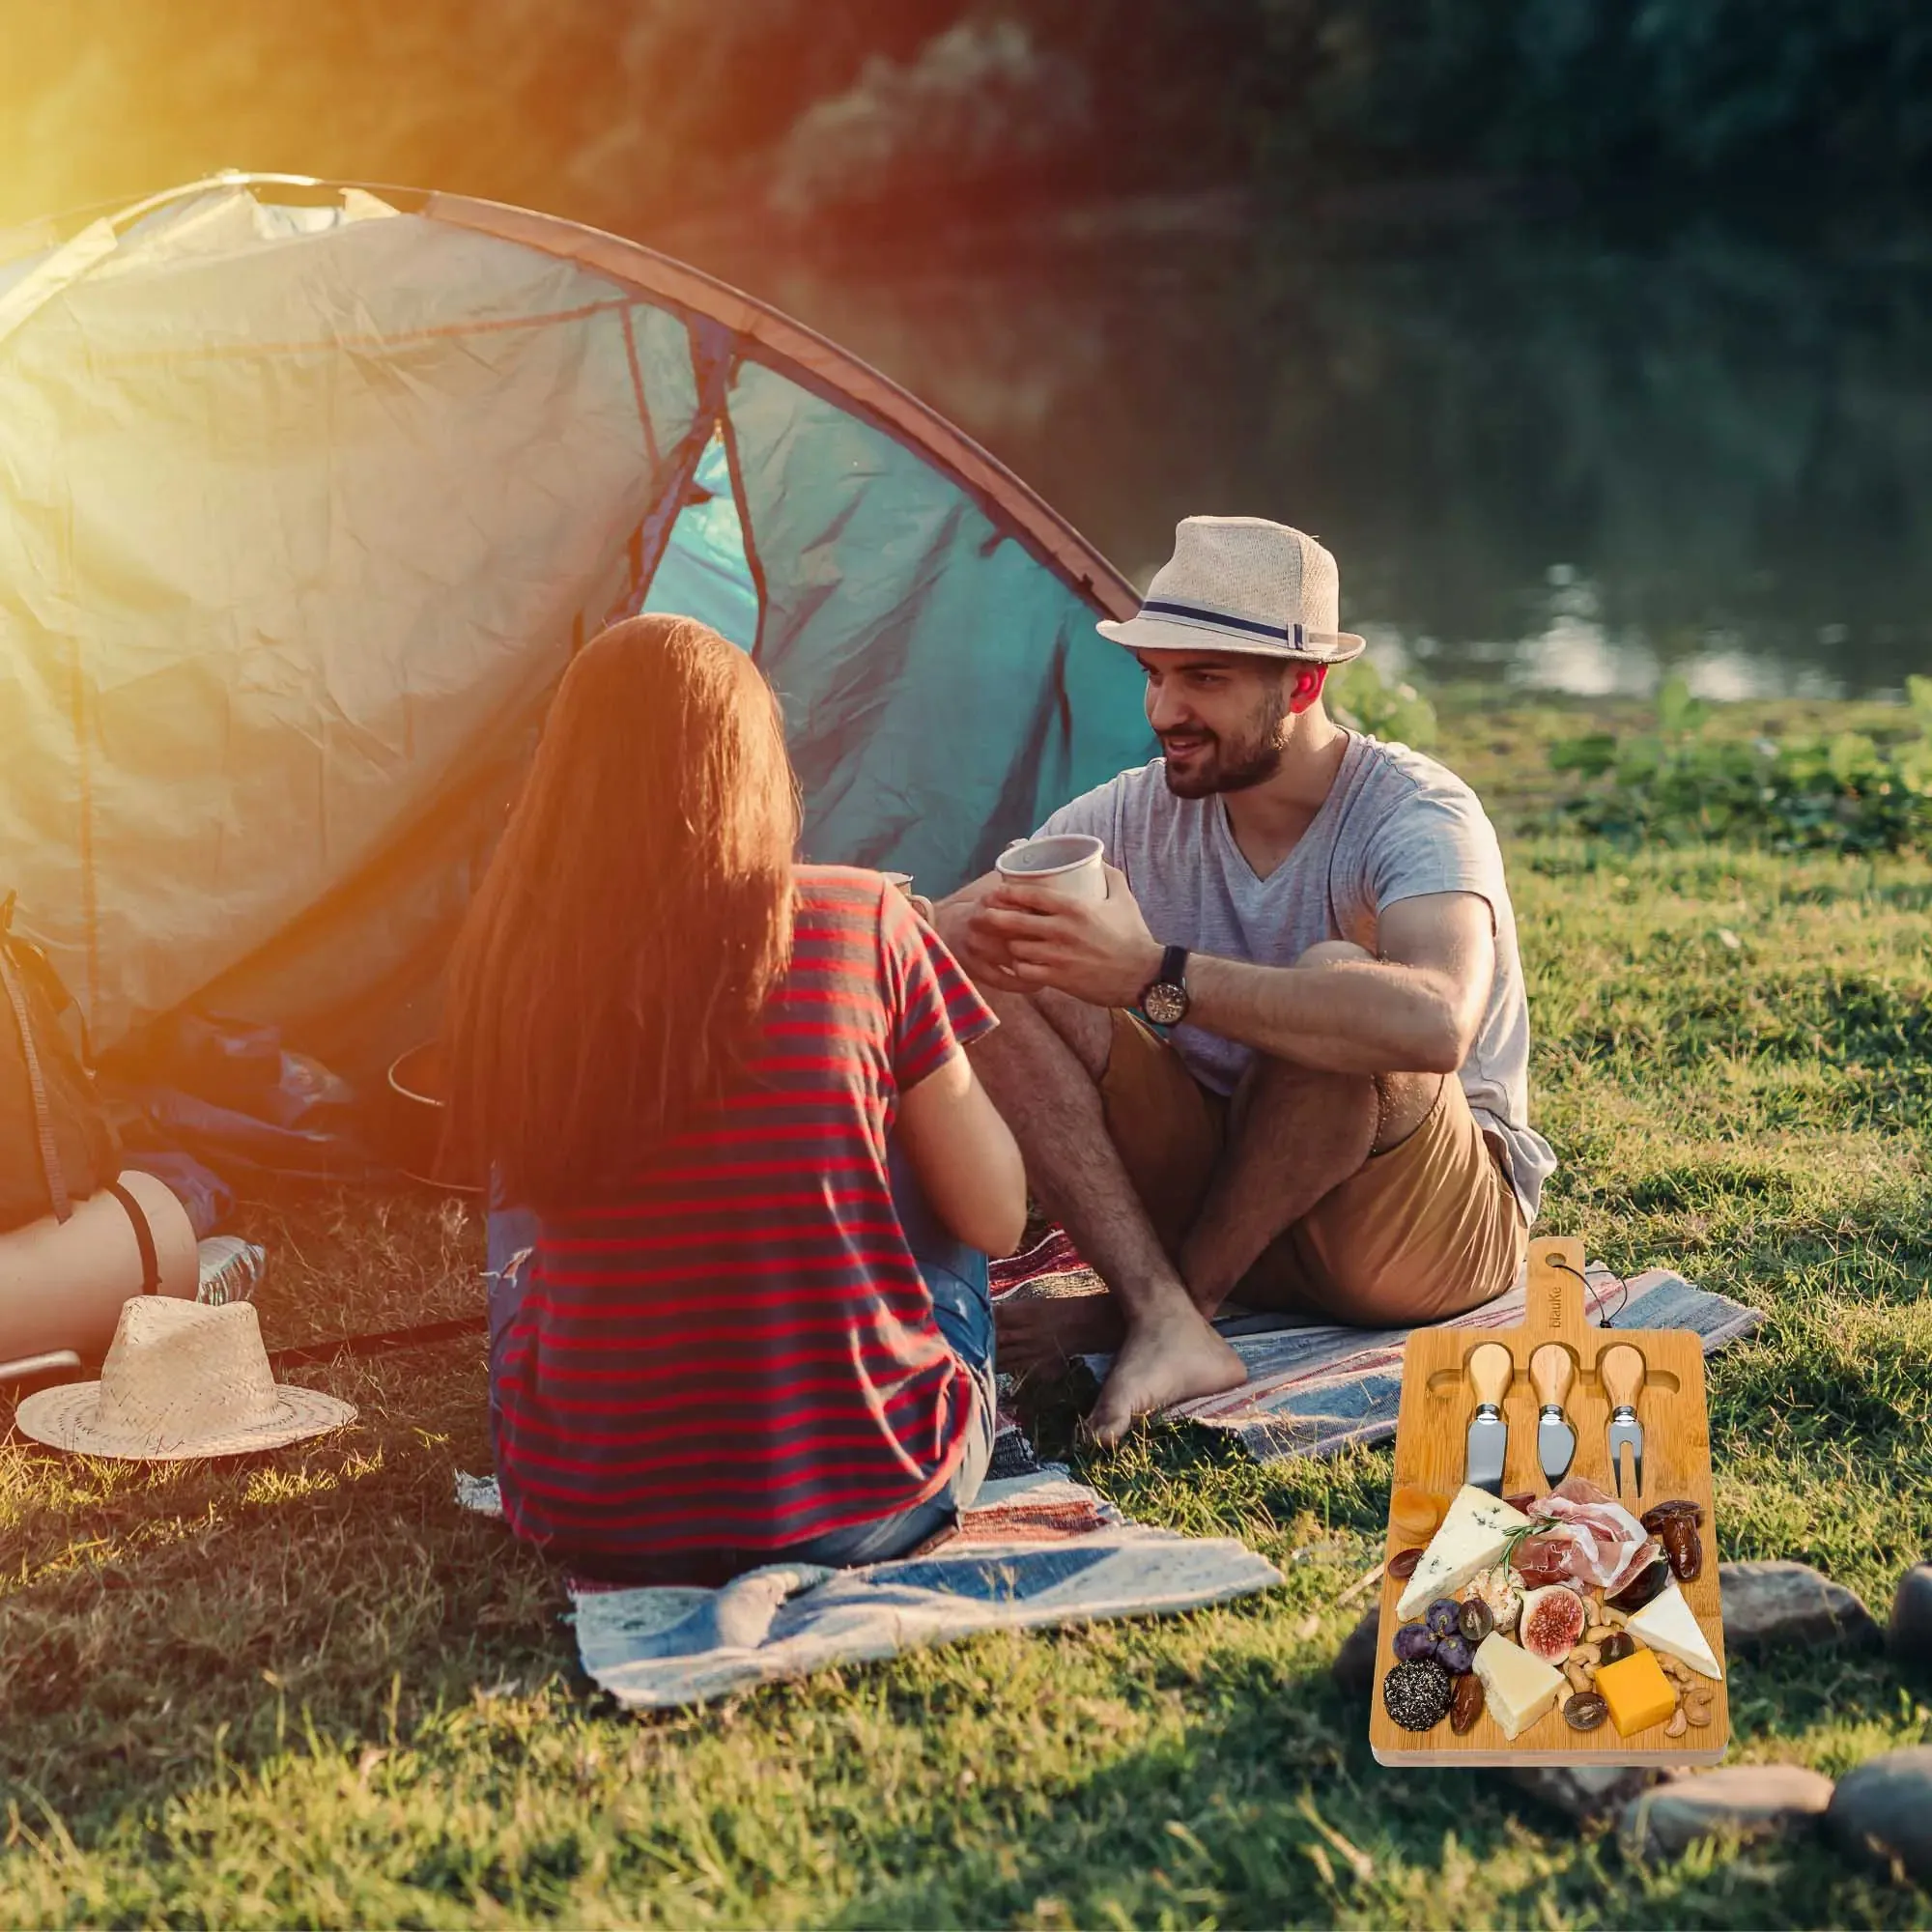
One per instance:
(1042,1068)
(1293,1134)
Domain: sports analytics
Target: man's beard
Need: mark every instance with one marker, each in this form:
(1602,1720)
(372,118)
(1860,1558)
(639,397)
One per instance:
(1251,762)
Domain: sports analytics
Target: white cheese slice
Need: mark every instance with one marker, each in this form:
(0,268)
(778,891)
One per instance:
(1668,1623)
(1474,1533)
(1518,1688)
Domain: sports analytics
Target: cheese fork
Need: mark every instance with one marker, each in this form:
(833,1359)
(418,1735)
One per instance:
(1622,1371)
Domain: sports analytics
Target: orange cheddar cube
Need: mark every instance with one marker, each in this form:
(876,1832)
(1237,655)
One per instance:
(1637,1692)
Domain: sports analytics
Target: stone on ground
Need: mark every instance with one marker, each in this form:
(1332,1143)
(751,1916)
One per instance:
(1582,1791)
(1773,1604)
(1881,1812)
(1355,1665)
(1746,1802)
(1912,1619)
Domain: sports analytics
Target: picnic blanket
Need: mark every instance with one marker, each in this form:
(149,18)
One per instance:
(1035,1550)
(1314,1388)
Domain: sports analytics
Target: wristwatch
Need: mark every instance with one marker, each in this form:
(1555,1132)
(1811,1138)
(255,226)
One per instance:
(1166,1000)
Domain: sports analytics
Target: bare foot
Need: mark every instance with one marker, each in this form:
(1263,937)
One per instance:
(1171,1359)
(1043,1331)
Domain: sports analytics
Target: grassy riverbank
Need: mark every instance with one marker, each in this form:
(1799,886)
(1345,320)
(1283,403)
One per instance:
(310,1691)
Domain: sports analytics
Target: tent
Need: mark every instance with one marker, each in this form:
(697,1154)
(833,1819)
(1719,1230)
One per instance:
(309,492)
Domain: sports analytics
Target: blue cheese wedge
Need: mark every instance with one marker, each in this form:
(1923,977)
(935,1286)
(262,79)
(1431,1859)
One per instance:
(1518,1688)
(1668,1623)
(1474,1533)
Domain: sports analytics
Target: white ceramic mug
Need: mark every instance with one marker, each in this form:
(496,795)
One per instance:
(1066,863)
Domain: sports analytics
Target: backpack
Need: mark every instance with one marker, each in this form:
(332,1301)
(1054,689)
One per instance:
(57,1145)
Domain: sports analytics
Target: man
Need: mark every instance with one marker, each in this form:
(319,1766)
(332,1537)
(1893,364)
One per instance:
(1288,1055)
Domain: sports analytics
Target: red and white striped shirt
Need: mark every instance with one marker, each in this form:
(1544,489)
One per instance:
(743,1354)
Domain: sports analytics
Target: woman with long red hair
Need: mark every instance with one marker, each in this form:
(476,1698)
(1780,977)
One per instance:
(757,1179)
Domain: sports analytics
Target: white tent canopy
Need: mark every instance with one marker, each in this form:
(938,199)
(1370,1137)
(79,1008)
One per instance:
(307,496)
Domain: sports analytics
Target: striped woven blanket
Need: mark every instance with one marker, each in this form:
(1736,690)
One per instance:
(1314,1388)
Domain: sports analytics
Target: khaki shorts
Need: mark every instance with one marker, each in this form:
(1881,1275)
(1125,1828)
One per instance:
(1425,1231)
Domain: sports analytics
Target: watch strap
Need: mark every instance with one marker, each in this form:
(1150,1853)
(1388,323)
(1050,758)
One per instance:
(1173,967)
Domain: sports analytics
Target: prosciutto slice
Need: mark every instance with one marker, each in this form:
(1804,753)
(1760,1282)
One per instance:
(1592,1539)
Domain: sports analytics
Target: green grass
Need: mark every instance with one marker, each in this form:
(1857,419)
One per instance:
(308,1690)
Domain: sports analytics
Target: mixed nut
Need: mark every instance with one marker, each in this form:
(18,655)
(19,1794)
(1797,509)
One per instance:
(1604,1641)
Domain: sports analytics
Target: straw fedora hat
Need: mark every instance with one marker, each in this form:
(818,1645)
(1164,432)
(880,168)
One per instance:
(179,1380)
(1242,583)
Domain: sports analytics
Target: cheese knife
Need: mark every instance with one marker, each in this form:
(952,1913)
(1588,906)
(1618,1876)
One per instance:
(1622,1371)
(1551,1370)
(1491,1370)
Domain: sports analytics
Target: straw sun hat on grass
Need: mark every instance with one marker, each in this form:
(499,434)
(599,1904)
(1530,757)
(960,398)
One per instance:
(179,1380)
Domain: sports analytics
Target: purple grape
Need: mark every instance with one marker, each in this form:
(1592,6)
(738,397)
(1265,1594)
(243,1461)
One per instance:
(1442,1616)
(1413,1641)
(1453,1655)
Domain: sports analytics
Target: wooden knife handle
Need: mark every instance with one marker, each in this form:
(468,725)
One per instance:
(1492,1370)
(1551,1370)
(1622,1371)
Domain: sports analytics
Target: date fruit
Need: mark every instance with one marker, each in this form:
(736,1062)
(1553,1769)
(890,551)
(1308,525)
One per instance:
(1658,1514)
(1468,1706)
(1402,1565)
(1683,1546)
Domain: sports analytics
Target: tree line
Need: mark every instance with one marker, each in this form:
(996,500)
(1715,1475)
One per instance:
(810,110)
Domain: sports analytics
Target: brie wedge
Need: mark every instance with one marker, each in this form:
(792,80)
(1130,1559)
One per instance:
(1668,1623)
(1474,1533)
(1518,1688)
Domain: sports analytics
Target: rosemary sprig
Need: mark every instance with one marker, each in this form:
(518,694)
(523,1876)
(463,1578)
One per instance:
(1518,1537)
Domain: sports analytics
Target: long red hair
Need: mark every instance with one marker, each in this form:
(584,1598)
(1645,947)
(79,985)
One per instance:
(609,978)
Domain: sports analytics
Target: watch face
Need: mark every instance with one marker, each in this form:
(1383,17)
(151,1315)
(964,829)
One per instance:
(1164,1004)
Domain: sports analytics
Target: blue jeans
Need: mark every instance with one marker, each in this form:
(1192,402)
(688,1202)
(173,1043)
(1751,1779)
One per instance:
(962,1306)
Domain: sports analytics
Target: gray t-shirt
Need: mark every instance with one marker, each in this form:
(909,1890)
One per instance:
(1394,826)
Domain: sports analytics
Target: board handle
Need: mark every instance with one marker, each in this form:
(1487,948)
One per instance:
(1622,1372)
(1551,1370)
(1491,1369)
(1553,1303)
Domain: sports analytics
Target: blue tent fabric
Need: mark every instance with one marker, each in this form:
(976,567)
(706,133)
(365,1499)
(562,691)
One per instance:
(926,662)
(704,572)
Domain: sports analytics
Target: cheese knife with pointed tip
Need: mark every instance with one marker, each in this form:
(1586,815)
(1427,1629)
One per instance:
(1491,1370)
(1549,1372)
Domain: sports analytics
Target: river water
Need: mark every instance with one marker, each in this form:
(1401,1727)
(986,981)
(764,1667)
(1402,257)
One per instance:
(1544,457)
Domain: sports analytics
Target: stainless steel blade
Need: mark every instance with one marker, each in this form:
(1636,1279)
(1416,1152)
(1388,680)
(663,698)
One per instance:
(1489,1444)
(1555,1445)
(1626,1432)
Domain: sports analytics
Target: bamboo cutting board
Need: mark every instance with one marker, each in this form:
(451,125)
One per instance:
(1438,1403)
